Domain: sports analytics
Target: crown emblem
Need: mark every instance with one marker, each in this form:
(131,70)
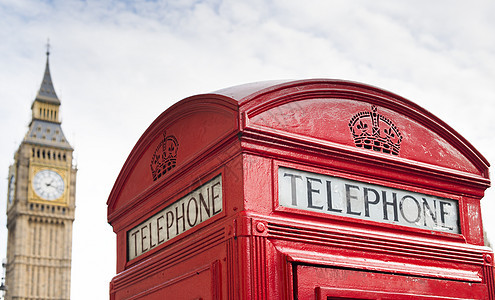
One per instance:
(371,130)
(165,157)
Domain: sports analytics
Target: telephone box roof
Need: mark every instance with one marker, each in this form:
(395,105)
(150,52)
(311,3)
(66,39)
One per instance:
(314,116)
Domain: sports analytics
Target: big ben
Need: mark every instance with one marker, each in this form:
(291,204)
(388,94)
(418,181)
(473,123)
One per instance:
(41,204)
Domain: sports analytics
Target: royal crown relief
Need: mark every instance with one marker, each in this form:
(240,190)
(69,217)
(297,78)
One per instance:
(371,130)
(165,157)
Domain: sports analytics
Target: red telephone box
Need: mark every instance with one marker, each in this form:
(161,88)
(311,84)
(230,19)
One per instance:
(313,189)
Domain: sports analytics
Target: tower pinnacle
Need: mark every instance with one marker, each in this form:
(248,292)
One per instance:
(46,92)
(48,47)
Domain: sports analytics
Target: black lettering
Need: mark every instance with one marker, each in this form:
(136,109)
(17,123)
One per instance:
(135,241)
(177,218)
(202,203)
(393,204)
(170,222)
(151,237)
(293,187)
(143,237)
(158,228)
(444,213)
(401,207)
(329,198)
(192,200)
(349,197)
(367,201)
(213,197)
(426,207)
(311,191)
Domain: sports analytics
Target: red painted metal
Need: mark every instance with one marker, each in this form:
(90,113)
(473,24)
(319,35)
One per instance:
(257,248)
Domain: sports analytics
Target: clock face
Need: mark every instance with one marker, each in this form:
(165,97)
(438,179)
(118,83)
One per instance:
(11,188)
(48,184)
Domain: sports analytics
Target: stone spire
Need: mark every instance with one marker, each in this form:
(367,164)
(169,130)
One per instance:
(46,92)
(45,127)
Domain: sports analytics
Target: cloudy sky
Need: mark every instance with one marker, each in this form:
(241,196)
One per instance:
(116,65)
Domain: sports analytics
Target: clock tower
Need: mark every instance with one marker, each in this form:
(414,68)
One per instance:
(41,204)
